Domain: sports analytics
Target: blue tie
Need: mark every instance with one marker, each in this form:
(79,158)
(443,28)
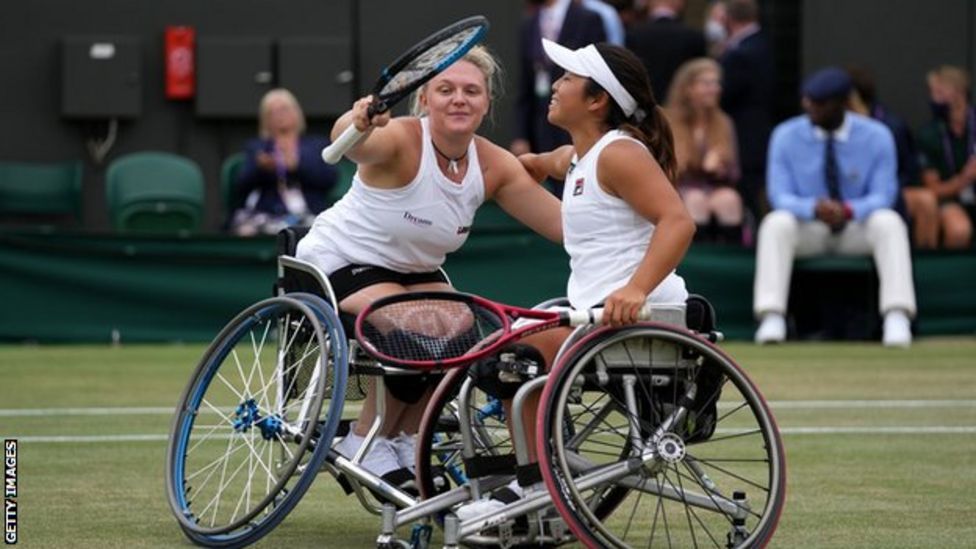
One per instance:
(831,171)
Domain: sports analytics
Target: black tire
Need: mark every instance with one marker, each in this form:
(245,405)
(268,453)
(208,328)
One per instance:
(439,444)
(718,474)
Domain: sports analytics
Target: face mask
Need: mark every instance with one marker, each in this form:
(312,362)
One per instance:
(714,31)
(939,110)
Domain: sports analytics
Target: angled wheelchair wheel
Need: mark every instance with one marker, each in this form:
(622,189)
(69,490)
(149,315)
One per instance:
(245,443)
(672,445)
(440,446)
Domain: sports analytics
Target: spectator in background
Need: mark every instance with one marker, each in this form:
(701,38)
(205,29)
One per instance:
(918,202)
(715,33)
(948,153)
(663,43)
(832,182)
(564,22)
(704,142)
(613,27)
(747,94)
(284,180)
(561,21)
(630,11)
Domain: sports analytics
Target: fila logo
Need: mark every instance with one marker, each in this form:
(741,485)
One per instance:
(578,187)
(464,230)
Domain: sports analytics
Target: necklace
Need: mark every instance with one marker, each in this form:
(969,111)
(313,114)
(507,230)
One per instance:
(452,163)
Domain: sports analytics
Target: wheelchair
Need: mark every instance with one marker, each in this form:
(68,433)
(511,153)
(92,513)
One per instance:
(646,435)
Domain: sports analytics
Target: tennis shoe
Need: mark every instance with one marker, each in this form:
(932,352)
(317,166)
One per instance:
(381,458)
(897,330)
(486,505)
(772,329)
(406,450)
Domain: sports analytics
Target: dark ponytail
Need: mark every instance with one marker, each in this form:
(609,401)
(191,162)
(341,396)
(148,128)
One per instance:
(652,129)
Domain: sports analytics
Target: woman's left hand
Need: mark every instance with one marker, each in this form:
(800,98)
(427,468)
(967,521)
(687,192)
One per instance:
(622,306)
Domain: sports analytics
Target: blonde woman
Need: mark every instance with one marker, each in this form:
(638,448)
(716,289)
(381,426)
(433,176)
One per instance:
(283,181)
(419,181)
(707,155)
(948,147)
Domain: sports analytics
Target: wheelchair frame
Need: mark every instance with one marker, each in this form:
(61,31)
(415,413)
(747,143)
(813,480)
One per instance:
(402,508)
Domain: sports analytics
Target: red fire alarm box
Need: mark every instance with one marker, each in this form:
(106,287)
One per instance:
(179,48)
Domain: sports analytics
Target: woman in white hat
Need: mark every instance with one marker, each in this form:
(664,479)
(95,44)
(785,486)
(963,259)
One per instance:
(624,225)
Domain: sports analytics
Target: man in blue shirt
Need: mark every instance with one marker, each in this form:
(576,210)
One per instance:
(832,182)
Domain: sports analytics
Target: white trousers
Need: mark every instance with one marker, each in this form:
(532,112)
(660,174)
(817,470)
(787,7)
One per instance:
(782,237)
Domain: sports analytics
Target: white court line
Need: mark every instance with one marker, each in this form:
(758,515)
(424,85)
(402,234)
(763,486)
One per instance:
(28,412)
(821,404)
(894,430)
(43,412)
(909,430)
(775,404)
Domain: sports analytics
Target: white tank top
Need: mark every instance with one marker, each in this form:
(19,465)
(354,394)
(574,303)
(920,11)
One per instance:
(410,229)
(605,238)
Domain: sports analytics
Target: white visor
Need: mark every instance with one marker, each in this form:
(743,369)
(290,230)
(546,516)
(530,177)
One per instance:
(589,63)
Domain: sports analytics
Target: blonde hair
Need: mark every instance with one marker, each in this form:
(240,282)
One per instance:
(678,99)
(954,77)
(264,110)
(719,133)
(480,57)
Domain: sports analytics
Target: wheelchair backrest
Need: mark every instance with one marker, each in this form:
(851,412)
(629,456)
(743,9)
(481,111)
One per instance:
(295,275)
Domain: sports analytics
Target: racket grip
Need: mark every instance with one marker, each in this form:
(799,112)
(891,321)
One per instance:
(350,136)
(595,316)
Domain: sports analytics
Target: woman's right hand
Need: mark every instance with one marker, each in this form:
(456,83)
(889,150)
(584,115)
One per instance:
(360,115)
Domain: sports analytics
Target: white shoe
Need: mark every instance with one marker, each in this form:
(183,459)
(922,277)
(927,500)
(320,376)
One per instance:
(478,508)
(381,459)
(772,329)
(897,330)
(487,504)
(406,450)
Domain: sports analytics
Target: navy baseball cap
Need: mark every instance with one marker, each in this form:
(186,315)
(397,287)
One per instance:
(828,83)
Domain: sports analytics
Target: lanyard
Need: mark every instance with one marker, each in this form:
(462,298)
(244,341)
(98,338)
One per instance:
(947,150)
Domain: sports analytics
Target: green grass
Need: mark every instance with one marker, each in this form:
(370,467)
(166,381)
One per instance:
(844,490)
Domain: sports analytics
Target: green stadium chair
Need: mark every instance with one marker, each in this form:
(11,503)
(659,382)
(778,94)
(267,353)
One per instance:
(40,193)
(229,172)
(154,192)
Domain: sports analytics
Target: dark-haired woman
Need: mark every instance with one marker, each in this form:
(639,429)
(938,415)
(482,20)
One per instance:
(625,227)
(624,224)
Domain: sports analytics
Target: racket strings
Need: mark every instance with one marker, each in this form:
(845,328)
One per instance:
(434,58)
(428,329)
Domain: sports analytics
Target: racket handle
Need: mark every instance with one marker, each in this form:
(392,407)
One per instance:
(595,316)
(350,136)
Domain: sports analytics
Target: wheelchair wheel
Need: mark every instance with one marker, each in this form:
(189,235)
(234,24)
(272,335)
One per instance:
(672,445)
(439,439)
(244,445)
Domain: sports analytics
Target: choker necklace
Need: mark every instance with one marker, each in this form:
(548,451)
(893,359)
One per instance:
(452,163)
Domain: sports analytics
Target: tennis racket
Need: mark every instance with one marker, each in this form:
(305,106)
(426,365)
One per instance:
(446,329)
(410,71)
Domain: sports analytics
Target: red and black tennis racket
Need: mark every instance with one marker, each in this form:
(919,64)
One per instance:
(410,71)
(447,329)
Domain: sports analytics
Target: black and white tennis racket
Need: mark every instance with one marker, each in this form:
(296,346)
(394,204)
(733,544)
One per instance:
(410,71)
(446,329)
